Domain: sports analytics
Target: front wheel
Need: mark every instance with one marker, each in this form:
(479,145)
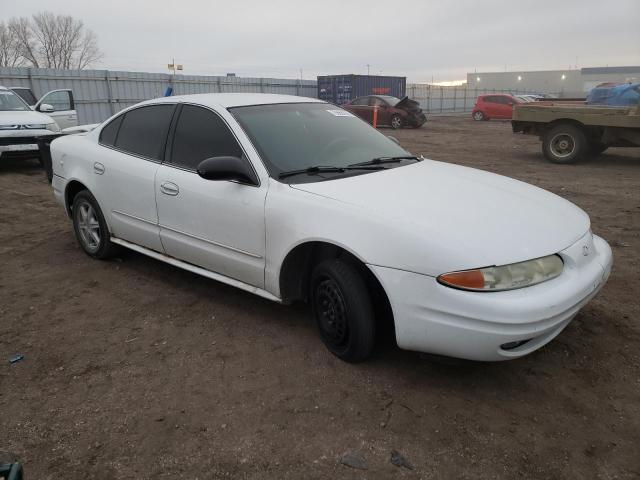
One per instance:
(396,121)
(90,227)
(343,310)
(564,144)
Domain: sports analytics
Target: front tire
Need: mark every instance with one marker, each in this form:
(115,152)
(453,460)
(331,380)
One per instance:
(343,310)
(396,121)
(564,144)
(91,228)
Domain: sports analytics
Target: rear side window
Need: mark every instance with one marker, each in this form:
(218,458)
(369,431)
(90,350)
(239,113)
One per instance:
(143,131)
(361,101)
(201,134)
(109,133)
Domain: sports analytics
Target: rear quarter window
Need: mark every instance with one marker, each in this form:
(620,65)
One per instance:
(110,131)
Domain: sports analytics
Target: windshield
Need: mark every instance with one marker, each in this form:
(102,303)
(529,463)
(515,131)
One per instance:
(10,102)
(294,136)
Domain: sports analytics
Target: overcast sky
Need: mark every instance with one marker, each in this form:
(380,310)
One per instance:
(420,39)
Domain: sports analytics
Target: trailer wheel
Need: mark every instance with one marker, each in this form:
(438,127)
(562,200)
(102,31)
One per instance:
(565,143)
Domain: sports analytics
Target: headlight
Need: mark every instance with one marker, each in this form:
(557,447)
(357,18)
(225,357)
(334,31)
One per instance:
(35,126)
(53,127)
(506,277)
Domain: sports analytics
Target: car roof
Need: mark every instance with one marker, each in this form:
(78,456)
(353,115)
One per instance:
(229,100)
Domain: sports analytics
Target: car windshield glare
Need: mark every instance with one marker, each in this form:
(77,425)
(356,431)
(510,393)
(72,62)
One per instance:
(10,102)
(295,136)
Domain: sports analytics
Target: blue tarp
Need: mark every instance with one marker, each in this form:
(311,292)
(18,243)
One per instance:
(619,95)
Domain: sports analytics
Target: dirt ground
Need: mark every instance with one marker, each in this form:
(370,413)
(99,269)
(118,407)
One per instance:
(135,369)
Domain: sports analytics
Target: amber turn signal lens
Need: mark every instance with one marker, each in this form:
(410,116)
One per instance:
(473,279)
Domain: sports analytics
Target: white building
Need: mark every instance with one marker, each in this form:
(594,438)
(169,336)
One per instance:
(565,83)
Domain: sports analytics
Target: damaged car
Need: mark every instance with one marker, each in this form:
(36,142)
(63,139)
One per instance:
(392,111)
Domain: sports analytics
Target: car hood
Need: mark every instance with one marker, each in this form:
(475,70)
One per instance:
(23,118)
(477,217)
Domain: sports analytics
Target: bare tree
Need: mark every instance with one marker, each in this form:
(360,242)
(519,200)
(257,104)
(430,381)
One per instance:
(55,41)
(10,55)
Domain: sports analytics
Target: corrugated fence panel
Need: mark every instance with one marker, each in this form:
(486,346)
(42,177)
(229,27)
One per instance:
(98,94)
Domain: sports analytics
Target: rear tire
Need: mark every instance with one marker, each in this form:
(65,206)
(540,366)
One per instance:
(91,228)
(343,310)
(564,143)
(478,116)
(396,121)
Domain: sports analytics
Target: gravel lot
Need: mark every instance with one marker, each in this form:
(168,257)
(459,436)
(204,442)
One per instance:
(135,369)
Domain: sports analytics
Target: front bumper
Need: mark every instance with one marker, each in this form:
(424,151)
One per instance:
(20,142)
(432,318)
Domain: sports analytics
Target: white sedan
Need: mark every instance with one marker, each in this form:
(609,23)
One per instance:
(294,199)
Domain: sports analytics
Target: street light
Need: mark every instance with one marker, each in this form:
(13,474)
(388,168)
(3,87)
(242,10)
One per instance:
(519,78)
(477,79)
(563,77)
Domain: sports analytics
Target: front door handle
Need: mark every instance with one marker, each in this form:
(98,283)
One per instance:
(169,188)
(98,168)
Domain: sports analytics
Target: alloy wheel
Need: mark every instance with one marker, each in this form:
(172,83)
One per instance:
(89,226)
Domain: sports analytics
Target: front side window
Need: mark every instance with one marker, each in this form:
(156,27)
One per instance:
(143,131)
(60,100)
(201,134)
(295,136)
(10,102)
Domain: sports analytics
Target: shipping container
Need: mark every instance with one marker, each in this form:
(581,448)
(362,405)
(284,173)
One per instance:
(340,89)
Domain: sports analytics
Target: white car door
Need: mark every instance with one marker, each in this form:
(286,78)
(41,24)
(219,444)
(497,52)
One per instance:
(63,112)
(131,148)
(217,225)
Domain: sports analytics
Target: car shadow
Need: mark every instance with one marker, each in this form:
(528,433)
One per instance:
(388,359)
(27,166)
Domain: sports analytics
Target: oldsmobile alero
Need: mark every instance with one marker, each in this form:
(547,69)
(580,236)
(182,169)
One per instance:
(294,199)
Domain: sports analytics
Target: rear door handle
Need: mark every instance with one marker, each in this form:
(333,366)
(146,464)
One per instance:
(98,168)
(169,188)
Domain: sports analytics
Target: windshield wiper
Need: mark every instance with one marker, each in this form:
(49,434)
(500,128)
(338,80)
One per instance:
(322,169)
(379,160)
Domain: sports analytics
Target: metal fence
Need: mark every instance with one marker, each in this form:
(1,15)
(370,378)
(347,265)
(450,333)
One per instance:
(436,99)
(98,94)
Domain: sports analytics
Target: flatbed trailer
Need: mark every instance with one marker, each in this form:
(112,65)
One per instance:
(571,131)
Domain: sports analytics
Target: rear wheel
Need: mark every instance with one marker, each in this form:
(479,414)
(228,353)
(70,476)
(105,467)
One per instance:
(396,121)
(564,143)
(91,228)
(478,116)
(343,310)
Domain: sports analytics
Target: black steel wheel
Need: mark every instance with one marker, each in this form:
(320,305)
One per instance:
(343,310)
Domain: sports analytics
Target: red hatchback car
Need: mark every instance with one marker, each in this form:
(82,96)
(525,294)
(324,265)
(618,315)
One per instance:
(498,106)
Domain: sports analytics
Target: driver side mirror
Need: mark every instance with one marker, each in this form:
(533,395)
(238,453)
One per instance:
(45,108)
(227,168)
